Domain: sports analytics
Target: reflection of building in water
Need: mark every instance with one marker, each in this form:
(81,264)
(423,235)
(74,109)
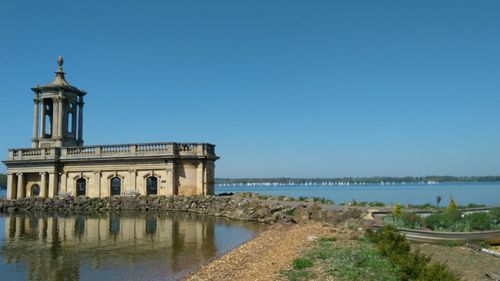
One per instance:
(59,163)
(54,248)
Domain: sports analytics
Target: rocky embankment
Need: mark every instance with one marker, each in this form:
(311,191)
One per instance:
(235,207)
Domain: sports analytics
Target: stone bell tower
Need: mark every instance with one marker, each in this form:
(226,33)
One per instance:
(58,113)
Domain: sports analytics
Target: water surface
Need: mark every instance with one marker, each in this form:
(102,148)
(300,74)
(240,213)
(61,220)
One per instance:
(487,193)
(130,246)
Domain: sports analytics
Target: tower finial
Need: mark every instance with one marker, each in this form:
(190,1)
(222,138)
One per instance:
(60,62)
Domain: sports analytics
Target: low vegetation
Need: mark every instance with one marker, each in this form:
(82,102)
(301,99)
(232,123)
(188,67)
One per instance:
(380,255)
(319,200)
(364,203)
(449,220)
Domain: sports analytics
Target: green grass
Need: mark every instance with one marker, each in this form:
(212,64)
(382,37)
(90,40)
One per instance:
(382,255)
(302,263)
(358,262)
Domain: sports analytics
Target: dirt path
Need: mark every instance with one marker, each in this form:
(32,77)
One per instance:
(264,256)
(470,264)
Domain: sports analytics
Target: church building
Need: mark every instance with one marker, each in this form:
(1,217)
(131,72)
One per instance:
(58,163)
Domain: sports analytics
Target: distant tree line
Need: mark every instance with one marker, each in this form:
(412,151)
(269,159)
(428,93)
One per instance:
(3,181)
(357,179)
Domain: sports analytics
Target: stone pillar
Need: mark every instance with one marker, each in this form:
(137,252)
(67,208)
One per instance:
(43,187)
(21,192)
(97,184)
(11,194)
(205,179)
(171,182)
(52,185)
(73,120)
(80,121)
(42,129)
(64,183)
(199,178)
(132,181)
(60,119)
(55,118)
(34,141)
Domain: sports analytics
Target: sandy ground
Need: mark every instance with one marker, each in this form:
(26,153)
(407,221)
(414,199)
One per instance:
(264,256)
(470,264)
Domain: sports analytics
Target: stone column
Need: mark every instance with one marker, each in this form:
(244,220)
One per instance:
(132,181)
(55,118)
(199,179)
(10,187)
(205,179)
(60,119)
(20,186)
(97,185)
(171,183)
(34,141)
(43,188)
(52,185)
(64,183)
(80,121)
(42,132)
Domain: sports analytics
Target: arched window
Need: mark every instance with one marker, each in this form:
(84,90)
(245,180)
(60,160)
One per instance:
(70,122)
(81,187)
(48,107)
(151,186)
(116,186)
(35,190)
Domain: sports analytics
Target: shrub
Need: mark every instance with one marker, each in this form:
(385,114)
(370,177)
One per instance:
(396,211)
(437,271)
(452,206)
(479,221)
(302,263)
(412,265)
(495,215)
(411,220)
(290,212)
(405,220)
(449,220)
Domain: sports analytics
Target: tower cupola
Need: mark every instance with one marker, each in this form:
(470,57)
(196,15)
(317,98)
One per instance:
(58,112)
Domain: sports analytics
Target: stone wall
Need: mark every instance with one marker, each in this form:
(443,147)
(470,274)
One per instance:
(235,207)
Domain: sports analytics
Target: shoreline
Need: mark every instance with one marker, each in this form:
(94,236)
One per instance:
(238,207)
(271,251)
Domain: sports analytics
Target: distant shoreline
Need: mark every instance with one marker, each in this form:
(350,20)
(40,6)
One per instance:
(354,181)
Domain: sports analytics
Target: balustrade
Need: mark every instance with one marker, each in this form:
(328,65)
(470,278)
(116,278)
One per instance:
(122,150)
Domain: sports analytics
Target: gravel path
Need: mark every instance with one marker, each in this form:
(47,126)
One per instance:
(264,256)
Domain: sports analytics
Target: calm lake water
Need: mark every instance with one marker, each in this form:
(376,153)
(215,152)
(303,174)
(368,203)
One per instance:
(130,246)
(487,193)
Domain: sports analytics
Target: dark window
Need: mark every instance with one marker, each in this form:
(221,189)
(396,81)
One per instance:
(35,190)
(116,185)
(81,187)
(151,186)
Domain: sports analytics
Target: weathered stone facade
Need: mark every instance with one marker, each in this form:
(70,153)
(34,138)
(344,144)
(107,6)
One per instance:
(59,164)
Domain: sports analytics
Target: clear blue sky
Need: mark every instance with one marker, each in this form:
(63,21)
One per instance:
(283,88)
